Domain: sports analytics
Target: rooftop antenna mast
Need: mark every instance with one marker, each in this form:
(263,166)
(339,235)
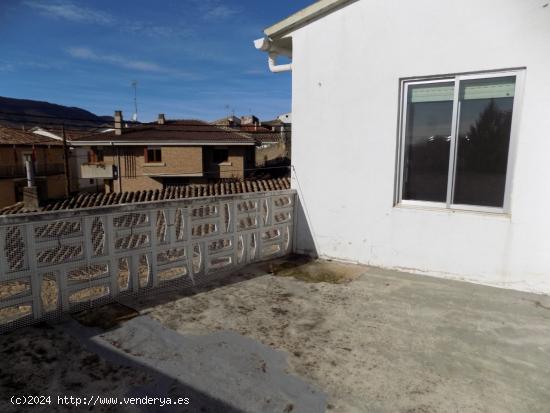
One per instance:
(135,116)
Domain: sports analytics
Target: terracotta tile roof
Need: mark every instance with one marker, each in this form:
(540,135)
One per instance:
(173,131)
(253,128)
(267,137)
(259,134)
(90,200)
(13,136)
(274,122)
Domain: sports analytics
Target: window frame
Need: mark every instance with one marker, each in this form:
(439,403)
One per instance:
(451,176)
(153,148)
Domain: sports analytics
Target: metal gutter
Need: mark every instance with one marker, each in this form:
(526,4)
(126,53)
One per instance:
(317,10)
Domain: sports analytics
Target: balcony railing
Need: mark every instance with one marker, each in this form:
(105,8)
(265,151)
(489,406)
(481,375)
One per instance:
(19,171)
(58,262)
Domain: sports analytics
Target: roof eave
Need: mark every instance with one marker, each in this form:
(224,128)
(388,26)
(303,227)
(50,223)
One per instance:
(305,16)
(159,143)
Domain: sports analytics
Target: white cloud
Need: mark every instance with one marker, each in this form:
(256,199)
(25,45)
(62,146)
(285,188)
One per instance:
(215,9)
(85,53)
(150,29)
(6,67)
(67,10)
(13,65)
(70,11)
(219,12)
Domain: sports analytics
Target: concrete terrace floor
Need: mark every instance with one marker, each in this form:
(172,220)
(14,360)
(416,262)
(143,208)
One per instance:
(296,336)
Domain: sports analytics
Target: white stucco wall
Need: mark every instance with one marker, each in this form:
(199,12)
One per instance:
(80,157)
(346,71)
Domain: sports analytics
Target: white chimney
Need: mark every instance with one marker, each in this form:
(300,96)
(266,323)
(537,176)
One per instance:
(161,119)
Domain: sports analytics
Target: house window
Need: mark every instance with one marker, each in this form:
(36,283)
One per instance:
(99,155)
(220,155)
(153,155)
(455,141)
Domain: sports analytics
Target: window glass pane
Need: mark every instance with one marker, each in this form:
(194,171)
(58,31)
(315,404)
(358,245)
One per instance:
(154,155)
(220,155)
(427,141)
(485,119)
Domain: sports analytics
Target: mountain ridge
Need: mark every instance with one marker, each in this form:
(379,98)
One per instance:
(30,113)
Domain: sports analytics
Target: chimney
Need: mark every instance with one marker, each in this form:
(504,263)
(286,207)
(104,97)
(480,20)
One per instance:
(161,119)
(118,122)
(30,192)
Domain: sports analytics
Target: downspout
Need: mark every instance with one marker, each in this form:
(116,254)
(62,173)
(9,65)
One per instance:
(266,45)
(272,61)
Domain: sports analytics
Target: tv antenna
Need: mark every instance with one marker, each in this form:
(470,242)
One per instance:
(230,110)
(135,115)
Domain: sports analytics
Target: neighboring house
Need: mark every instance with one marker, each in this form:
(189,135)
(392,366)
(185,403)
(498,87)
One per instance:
(230,122)
(272,142)
(77,157)
(283,125)
(165,153)
(435,155)
(270,146)
(275,125)
(46,155)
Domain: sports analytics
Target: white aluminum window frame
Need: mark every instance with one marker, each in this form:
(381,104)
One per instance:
(457,79)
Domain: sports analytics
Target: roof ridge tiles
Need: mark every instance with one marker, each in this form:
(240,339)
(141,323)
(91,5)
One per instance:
(92,200)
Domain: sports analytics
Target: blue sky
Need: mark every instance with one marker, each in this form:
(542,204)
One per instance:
(191,58)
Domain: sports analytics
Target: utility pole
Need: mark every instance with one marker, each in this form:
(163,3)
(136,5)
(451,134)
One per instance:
(119,170)
(66,164)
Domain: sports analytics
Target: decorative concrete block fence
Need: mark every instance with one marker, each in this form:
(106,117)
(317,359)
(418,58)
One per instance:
(54,263)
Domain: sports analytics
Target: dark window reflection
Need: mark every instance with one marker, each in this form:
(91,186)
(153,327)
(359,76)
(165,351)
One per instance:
(483,142)
(427,142)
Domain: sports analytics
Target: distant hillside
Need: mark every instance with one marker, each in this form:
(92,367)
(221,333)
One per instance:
(30,113)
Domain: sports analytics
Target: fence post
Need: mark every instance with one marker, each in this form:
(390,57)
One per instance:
(36,283)
(153,270)
(109,245)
